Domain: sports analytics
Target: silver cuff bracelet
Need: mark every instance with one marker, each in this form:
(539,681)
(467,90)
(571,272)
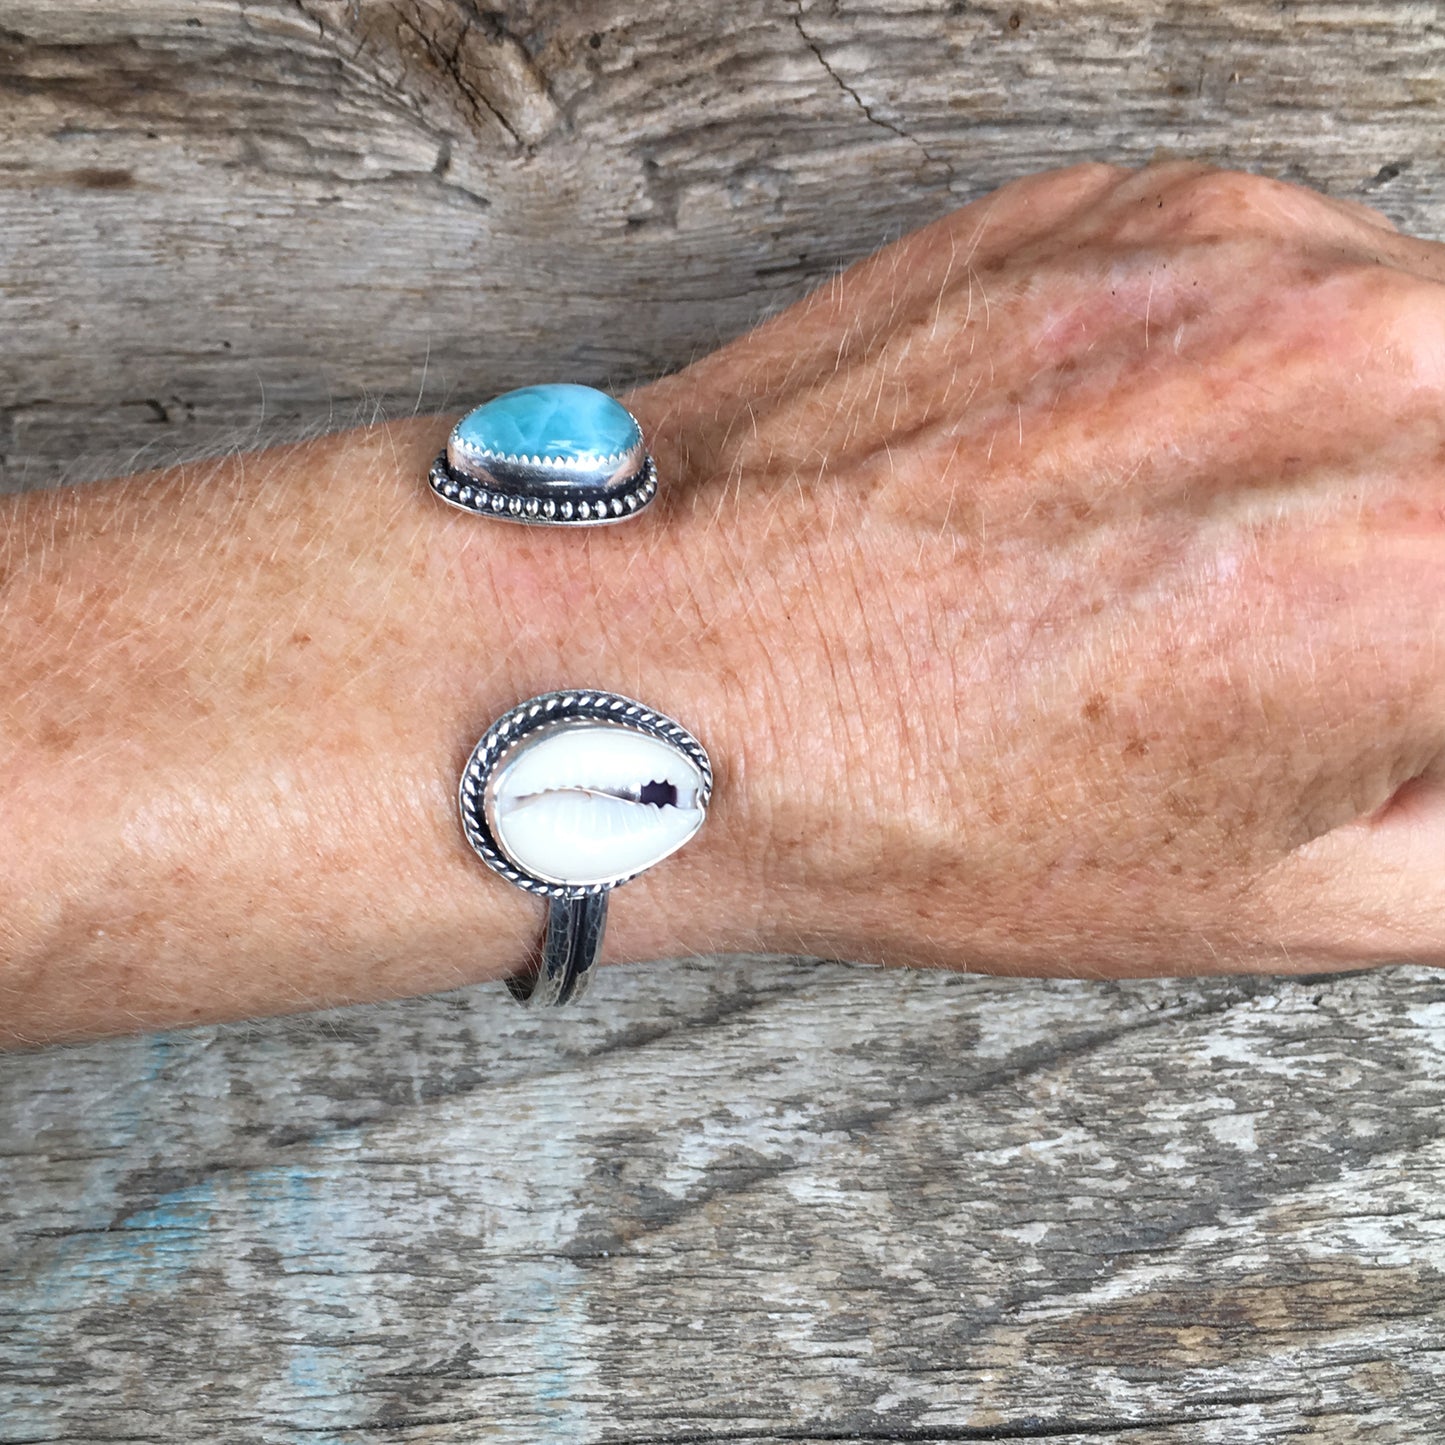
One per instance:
(571,793)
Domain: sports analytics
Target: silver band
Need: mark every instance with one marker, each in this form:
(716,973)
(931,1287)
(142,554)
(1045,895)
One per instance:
(570,948)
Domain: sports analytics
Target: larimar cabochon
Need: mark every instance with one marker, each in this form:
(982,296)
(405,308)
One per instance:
(560,424)
(559,453)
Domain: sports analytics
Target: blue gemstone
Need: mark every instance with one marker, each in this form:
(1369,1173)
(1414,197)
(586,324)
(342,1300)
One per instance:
(561,420)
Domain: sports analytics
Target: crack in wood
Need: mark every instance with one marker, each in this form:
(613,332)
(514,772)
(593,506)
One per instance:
(868,112)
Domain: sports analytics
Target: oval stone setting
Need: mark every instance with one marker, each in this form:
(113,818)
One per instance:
(556,425)
(588,801)
(558,455)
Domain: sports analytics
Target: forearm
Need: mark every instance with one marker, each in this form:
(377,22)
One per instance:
(238,696)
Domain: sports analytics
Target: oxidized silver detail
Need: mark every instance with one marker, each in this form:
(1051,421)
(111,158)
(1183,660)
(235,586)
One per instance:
(561,505)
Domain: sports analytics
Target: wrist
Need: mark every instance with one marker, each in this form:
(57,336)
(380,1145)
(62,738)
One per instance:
(240,696)
(640,609)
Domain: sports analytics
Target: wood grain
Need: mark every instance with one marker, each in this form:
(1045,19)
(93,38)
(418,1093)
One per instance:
(745,1201)
(226,222)
(738,1200)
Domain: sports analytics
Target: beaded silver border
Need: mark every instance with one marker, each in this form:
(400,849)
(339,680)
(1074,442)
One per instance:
(566,506)
(549,707)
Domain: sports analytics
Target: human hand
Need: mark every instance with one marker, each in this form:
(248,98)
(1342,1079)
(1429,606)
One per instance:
(1077,561)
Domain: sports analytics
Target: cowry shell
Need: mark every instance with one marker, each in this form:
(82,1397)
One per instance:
(587,801)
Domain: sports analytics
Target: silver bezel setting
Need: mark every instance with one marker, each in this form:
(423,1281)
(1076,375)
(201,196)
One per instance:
(590,490)
(551,707)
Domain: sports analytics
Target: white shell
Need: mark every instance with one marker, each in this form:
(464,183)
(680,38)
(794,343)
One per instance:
(563,804)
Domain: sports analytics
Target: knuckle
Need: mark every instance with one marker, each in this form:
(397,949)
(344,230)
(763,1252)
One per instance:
(1370,215)
(1192,201)
(1100,171)
(1223,200)
(1394,320)
(1033,204)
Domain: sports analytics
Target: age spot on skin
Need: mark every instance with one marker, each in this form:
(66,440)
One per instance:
(1094,707)
(56,738)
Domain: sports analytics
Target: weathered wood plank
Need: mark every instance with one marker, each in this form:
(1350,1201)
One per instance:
(752,1202)
(759,1201)
(224,221)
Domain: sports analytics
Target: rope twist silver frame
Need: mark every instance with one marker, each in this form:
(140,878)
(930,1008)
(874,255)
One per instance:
(576,915)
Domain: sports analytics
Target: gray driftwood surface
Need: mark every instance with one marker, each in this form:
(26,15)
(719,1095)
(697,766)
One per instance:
(752,1201)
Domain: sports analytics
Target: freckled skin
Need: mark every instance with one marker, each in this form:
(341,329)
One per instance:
(1056,591)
